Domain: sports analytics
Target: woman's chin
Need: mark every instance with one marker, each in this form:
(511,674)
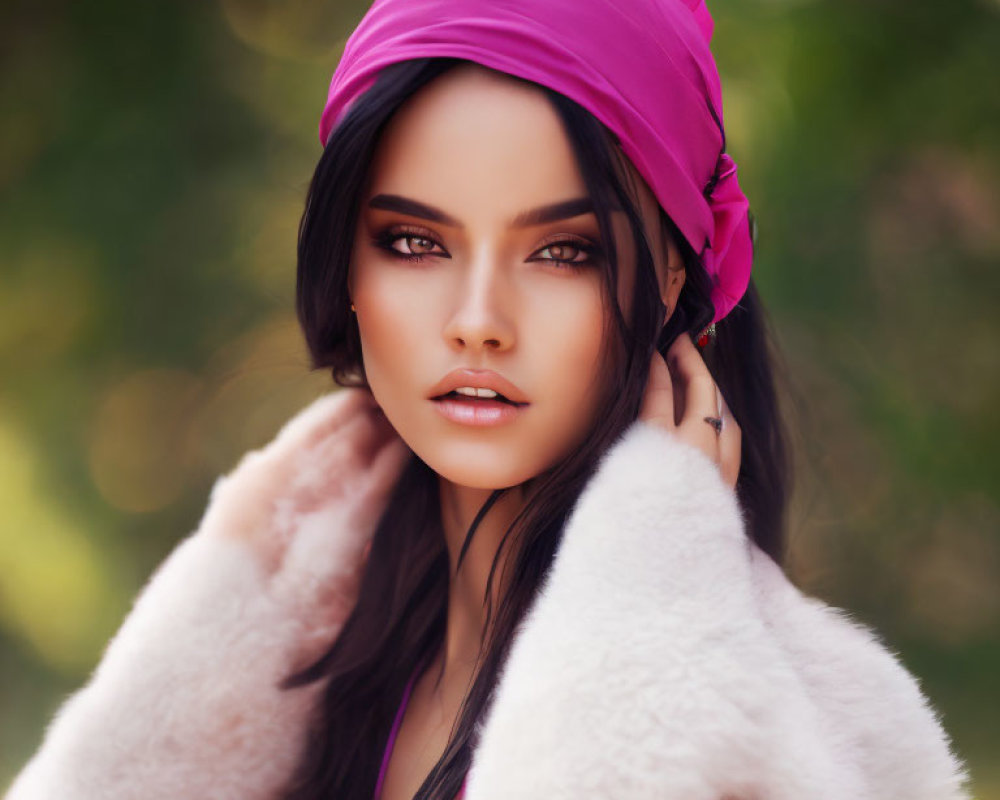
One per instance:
(485,458)
(486,476)
(480,465)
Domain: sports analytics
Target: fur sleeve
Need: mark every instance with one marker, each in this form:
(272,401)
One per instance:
(184,702)
(645,668)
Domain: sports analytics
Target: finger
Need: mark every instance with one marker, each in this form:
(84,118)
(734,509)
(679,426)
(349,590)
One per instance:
(730,445)
(658,399)
(701,399)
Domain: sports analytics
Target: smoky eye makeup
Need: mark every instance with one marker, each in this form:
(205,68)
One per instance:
(421,243)
(592,253)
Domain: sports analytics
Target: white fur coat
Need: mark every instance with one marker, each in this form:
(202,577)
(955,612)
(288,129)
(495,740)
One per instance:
(666,657)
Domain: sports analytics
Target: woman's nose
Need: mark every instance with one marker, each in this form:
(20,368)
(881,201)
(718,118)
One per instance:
(481,315)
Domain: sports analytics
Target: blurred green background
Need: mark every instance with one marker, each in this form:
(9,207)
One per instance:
(154,159)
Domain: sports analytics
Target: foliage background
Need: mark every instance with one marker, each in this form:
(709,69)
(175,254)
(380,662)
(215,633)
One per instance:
(154,159)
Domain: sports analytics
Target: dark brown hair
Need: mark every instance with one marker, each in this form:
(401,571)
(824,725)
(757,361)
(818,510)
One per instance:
(400,614)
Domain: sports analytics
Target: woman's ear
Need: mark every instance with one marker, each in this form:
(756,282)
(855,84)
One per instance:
(667,259)
(671,275)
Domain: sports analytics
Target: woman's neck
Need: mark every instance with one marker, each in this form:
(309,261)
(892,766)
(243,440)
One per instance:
(467,585)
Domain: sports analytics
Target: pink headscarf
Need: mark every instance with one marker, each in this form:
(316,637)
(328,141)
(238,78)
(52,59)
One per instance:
(642,67)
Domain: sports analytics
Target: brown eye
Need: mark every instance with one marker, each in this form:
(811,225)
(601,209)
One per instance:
(418,245)
(563,251)
(566,252)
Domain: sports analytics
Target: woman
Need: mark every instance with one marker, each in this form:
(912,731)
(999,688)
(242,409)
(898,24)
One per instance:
(569,590)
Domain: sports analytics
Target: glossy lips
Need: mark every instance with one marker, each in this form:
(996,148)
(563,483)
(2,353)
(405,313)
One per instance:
(469,411)
(482,412)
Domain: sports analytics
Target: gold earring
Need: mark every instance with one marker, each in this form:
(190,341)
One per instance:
(352,307)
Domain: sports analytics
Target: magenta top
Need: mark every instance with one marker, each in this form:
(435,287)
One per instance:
(395,730)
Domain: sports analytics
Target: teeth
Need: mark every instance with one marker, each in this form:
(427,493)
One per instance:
(475,392)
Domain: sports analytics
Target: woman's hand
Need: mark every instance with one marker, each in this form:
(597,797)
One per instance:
(680,394)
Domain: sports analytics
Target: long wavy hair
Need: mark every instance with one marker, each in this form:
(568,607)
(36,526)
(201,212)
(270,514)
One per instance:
(400,614)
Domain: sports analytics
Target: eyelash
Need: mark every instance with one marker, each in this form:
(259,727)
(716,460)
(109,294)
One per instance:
(386,239)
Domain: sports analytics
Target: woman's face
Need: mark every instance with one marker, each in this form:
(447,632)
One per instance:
(456,277)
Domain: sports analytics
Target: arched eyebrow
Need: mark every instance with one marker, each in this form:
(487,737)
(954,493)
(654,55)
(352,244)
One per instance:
(543,215)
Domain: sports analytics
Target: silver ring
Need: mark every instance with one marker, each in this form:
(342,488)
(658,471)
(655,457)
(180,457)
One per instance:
(715,422)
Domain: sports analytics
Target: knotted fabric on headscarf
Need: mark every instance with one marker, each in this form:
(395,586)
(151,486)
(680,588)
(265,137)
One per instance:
(642,67)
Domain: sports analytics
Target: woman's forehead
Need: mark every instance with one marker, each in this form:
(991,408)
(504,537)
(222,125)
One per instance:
(475,132)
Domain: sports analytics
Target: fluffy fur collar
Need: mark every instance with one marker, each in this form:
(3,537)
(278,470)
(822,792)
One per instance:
(666,657)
